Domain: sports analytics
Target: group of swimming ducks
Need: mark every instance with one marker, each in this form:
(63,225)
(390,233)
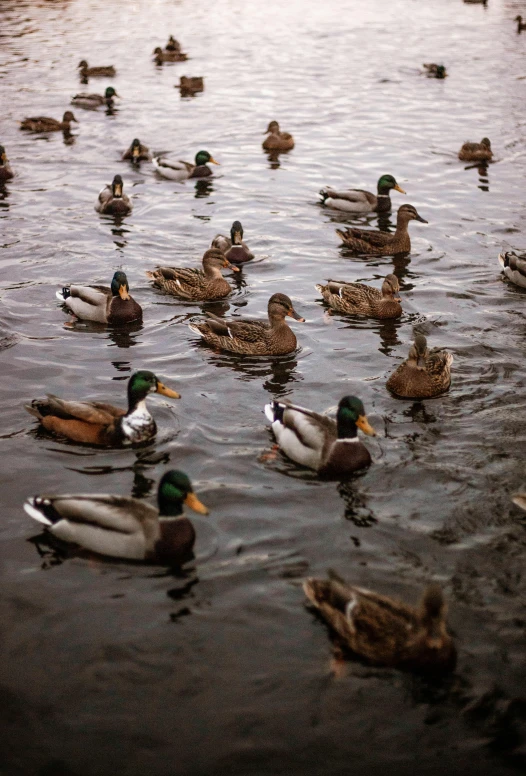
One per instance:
(379,628)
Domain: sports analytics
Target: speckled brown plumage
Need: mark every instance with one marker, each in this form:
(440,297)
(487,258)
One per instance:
(476,152)
(358,299)
(47,124)
(376,243)
(196,284)
(424,374)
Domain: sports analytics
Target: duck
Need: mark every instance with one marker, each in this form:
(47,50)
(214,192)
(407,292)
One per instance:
(107,71)
(520,24)
(137,152)
(112,305)
(233,247)
(383,630)
(93,101)
(476,152)
(6,173)
(124,527)
(97,423)
(113,200)
(435,71)
(253,337)
(377,243)
(175,55)
(173,44)
(358,299)
(331,448)
(514,267)
(196,284)
(46,124)
(276,140)
(181,171)
(424,374)
(191,85)
(359,201)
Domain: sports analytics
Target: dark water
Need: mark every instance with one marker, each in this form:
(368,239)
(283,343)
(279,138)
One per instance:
(109,667)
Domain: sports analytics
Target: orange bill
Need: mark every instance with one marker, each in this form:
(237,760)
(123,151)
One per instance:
(365,426)
(193,502)
(167,391)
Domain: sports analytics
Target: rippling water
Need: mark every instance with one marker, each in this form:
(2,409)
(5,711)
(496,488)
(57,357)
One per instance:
(108,666)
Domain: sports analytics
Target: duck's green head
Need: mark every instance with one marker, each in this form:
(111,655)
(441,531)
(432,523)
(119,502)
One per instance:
(236,233)
(351,415)
(175,489)
(203,157)
(386,183)
(110,92)
(142,383)
(441,71)
(119,285)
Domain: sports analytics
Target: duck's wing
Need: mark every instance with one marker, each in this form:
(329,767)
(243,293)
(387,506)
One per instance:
(189,277)
(353,292)
(356,196)
(371,236)
(105,194)
(246,330)
(173,164)
(438,363)
(302,434)
(89,302)
(221,242)
(97,413)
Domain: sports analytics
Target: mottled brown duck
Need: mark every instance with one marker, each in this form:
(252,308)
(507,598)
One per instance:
(376,243)
(276,140)
(191,84)
(359,299)
(175,55)
(193,284)
(424,374)
(105,71)
(476,152)
(47,124)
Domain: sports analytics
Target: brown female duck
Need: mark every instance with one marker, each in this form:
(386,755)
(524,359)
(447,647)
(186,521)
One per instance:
(250,337)
(175,55)
(137,152)
(97,423)
(112,305)
(276,140)
(373,242)
(107,71)
(194,284)
(6,173)
(520,24)
(424,374)
(476,152)
(357,299)
(46,124)
(383,630)
(234,248)
(191,85)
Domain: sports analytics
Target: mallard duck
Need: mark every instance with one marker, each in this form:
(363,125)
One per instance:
(520,24)
(250,337)
(435,71)
(191,85)
(6,173)
(424,374)
(93,101)
(196,284)
(123,527)
(112,305)
(113,200)
(276,140)
(173,44)
(137,152)
(383,630)
(377,243)
(181,171)
(233,247)
(359,201)
(476,152)
(330,447)
(161,56)
(108,71)
(46,124)
(357,299)
(514,267)
(96,423)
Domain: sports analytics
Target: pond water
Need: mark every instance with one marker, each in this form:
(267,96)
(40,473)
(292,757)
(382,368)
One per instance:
(220,668)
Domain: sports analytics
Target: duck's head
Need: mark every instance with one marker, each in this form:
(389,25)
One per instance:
(350,416)
(391,287)
(518,19)
(418,350)
(273,128)
(136,148)
(68,117)
(110,92)
(142,383)
(116,186)
(236,233)
(158,51)
(485,142)
(3,155)
(409,213)
(386,183)
(216,259)
(441,71)
(119,285)
(203,157)
(280,305)
(175,489)
(83,64)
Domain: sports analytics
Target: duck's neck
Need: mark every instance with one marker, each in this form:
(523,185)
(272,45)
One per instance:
(383,201)
(346,429)
(168,507)
(212,272)
(276,318)
(401,226)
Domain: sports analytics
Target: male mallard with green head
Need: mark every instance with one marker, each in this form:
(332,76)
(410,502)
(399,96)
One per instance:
(424,374)
(101,304)
(383,630)
(359,201)
(276,140)
(195,284)
(234,248)
(177,170)
(123,527)
(376,243)
(106,71)
(253,337)
(332,448)
(47,124)
(435,71)
(6,173)
(113,200)
(97,423)
(358,299)
(94,101)
(476,152)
